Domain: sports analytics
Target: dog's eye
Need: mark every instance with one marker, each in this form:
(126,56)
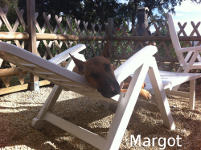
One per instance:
(95,75)
(107,67)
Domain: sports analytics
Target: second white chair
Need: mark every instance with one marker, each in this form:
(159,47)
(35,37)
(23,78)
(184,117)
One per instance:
(188,57)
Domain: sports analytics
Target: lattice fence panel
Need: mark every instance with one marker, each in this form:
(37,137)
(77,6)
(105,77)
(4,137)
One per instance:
(10,74)
(94,36)
(64,25)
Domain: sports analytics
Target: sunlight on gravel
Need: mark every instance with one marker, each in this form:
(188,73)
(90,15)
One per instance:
(18,109)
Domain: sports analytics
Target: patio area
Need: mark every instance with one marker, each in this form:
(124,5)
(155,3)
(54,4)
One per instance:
(18,109)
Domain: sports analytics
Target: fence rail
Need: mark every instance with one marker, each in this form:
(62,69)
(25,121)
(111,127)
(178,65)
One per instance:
(66,37)
(59,33)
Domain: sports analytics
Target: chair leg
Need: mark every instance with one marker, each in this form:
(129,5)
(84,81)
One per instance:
(192,94)
(160,96)
(179,69)
(124,110)
(37,122)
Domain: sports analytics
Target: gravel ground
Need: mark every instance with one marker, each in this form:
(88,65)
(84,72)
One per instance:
(18,109)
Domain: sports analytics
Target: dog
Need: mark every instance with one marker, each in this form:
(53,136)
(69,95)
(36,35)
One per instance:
(125,84)
(99,73)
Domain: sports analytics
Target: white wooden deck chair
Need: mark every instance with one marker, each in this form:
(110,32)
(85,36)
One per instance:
(188,57)
(142,63)
(171,80)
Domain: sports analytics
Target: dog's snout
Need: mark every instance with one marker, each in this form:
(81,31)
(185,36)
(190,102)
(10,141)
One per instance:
(99,74)
(114,92)
(110,88)
(115,88)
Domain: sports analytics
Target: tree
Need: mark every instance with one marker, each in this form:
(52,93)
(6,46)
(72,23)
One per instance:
(98,11)
(92,11)
(161,6)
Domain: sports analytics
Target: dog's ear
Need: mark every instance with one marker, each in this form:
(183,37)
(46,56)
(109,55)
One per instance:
(79,64)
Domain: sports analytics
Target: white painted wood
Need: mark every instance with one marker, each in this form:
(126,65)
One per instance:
(71,63)
(28,65)
(196,65)
(126,101)
(199,58)
(65,54)
(49,103)
(160,96)
(172,79)
(34,60)
(84,134)
(116,97)
(44,73)
(191,61)
(1,61)
(173,33)
(125,109)
(192,94)
(134,62)
(59,80)
(187,63)
(188,56)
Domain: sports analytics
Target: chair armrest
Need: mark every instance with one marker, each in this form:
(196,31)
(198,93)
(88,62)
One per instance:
(134,62)
(187,49)
(65,54)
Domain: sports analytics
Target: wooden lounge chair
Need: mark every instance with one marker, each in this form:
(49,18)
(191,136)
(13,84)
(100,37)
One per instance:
(188,57)
(142,63)
(171,80)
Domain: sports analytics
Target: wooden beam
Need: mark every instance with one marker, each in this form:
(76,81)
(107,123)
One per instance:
(62,37)
(14,36)
(18,88)
(9,72)
(34,83)
(92,138)
(51,36)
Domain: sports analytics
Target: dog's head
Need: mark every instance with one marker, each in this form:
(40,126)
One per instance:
(99,72)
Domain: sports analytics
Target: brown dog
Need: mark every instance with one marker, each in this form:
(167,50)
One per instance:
(99,72)
(124,86)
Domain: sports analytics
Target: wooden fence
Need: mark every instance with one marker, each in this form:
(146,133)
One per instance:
(49,39)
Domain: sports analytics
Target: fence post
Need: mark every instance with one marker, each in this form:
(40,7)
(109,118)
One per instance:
(34,80)
(142,22)
(109,31)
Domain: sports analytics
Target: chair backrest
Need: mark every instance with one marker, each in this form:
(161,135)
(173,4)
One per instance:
(175,39)
(173,33)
